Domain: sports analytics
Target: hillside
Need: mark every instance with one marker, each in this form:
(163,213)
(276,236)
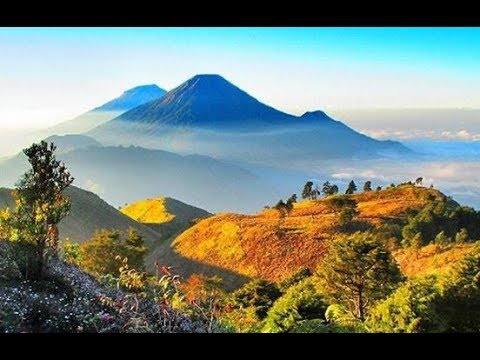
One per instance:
(274,248)
(88,214)
(211,116)
(165,215)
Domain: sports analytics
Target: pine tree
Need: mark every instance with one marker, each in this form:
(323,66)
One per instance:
(367,186)
(357,271)
(40,205)
(351,189)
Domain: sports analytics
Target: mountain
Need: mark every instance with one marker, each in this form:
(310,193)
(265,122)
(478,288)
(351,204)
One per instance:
(68,143)
(122,175)
(209,115)
(164,214)
(88,214)
(168,217)
(132,98)
(128,100)
(267,246)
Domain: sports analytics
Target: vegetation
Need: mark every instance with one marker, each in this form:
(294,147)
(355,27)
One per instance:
(412,266)
(351,189)
(329,189)
(40,205)
(99,254)
(358,271)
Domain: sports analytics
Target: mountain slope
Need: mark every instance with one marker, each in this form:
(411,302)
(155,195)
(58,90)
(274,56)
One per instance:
(128,100)
(209,115)
(265,245)
(88,214)
(165,215)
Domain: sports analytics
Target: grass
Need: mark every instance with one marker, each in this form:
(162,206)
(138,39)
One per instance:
(268,246)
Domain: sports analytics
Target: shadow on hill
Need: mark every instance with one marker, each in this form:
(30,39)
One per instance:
(164,255)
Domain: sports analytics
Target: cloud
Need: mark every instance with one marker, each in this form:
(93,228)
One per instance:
(421,134)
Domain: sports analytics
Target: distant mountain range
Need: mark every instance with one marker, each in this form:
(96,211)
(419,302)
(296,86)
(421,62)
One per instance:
(128,100)
(125,174)
(209,115)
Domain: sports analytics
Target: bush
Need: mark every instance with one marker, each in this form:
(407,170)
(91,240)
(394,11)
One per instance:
(301,302)
(411,308)
(259,294)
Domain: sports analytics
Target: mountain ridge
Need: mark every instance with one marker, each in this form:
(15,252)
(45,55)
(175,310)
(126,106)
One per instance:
(209,114)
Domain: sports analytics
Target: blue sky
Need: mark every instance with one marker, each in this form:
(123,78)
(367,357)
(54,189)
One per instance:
(50,75)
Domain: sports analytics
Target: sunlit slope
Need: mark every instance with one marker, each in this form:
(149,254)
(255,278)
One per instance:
(164,214)
(431,259)
(271,247)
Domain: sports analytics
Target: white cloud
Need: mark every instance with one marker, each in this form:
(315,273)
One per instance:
(421,134)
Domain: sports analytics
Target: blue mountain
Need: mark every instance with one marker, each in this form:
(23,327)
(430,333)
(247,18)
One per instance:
(209,115)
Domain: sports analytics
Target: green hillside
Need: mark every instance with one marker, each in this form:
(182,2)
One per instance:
(89,213)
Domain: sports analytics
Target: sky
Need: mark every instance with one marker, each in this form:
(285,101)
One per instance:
(49,75)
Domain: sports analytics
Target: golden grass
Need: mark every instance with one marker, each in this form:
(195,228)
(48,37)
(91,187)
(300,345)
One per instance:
(151,211)
(431,259)
(265,245)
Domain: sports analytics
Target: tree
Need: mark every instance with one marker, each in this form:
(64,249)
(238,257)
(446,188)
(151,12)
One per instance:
(334,189)
(347,215)
(379,188)
(40,205)
(419,181)
(367,186)
(301,302)
(340,202)
(307,190)
(135,249)
(460,304)
(289,204)
(351,188)
(412,308)
(99,254)
(329,189)
(442,239)
(257,293)
(417,241)
(281,207)
(462,236)
(357,271)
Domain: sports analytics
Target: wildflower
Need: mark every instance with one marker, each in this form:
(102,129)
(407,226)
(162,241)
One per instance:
(106,317)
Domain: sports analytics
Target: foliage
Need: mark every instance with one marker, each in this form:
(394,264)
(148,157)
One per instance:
(309,192)
(339,202)
(72,253)
(99,254)
(341,319)
(351,189)
(460,304)
(462,236)
(39,206)
(301,302)
(329,189)
(357,271)
(259,294)
(442,239)
(346,216)
(411,308)
(436,218)
(300,275)
(367,186)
